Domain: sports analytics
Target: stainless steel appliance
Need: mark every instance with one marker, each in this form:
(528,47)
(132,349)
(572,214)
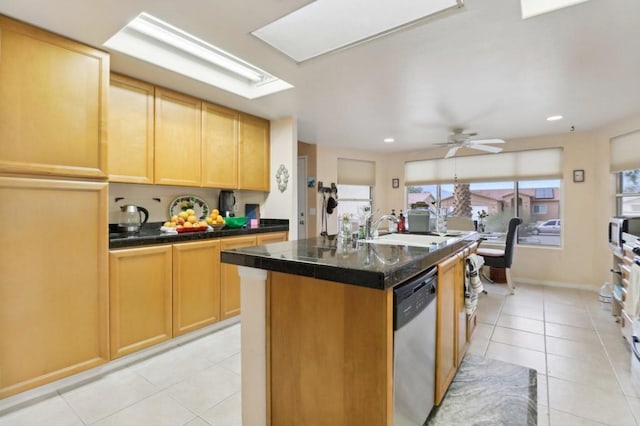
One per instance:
(131,218)
(619,225)
(226,203)
(418,220)
(414,349)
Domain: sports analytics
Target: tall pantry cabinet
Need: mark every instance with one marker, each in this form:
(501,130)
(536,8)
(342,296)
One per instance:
(54,243)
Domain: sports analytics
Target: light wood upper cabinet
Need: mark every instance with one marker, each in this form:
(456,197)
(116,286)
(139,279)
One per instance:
(219,147)
(140,298)
(53,281)
(196,285)
(130,130)
(254,153)
(229,279)
(177,139)
(53,111)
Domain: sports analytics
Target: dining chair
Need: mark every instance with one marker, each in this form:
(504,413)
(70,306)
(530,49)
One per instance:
(502,258)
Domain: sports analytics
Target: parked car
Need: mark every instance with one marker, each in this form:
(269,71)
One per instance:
(551,226)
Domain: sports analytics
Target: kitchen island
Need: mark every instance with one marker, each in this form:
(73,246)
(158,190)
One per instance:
(317,326)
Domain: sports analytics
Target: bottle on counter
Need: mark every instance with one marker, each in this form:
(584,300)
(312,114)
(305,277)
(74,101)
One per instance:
(393,227)
(401,227)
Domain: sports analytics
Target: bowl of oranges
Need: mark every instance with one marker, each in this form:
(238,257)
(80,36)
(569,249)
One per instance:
(214,220)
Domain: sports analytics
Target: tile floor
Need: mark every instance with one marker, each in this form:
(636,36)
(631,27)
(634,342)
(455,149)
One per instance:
(575,345)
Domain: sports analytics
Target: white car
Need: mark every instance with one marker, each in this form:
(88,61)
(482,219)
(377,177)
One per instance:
(551,226)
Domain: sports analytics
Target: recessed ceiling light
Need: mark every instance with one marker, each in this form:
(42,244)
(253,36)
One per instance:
(388,140)
(155,41)
(325,26)
(554,118)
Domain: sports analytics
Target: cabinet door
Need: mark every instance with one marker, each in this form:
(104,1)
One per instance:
(229,279)
(53,112)
(272,237)
(196,285)
(445,327)
(253,153)
(53,280)
(219,147)
(460,313)
(130,130)
(140,298)
(177,139)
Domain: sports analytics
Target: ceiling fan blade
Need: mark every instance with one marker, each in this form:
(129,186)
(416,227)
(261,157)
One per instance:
(487,148)
(452,151)
(486,141)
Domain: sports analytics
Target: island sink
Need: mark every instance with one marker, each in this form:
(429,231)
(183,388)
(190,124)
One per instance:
(415,240)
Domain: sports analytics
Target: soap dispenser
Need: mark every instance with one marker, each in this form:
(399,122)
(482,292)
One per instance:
(401,226)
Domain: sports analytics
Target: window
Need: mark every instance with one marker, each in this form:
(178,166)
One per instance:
(539,209)
(628,193)
(536,202)
(353,200)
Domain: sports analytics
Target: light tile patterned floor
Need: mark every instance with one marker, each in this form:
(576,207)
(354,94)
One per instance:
(582,361)
(572,341)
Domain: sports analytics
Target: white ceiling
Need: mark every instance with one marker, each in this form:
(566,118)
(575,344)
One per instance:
(481,68)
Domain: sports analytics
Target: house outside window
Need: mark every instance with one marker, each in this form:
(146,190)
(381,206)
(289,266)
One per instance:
(628,193)
(536,202)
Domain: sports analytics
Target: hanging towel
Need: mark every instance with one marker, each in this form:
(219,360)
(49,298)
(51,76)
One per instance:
(472,282)
(632,302)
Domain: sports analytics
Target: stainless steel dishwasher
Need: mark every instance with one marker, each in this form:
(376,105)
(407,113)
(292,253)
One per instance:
(414,349)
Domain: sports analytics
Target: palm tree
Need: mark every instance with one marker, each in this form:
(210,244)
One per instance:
(462,200)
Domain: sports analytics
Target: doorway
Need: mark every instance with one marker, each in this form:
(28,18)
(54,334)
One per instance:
(302,197)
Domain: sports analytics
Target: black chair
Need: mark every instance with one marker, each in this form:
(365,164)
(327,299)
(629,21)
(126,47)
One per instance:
(502,258)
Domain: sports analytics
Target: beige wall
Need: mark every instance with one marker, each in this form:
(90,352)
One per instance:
(310,151)
(583,259)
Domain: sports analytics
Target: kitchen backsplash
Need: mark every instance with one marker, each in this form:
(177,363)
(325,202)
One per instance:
(157,198)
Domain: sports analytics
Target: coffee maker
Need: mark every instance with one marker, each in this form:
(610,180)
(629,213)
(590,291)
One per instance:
(226,203)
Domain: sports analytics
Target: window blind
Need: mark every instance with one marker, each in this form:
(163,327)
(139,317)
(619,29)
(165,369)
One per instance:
(356,172)
(534,164)
(625,152)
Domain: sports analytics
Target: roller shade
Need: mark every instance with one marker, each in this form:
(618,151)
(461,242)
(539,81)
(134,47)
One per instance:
(534,164)
(356,172)
(625,152)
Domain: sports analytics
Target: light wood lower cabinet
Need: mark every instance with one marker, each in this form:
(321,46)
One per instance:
(272,237)
(229,279)
(196,285)
(140,292)
(53,280)
(450,278)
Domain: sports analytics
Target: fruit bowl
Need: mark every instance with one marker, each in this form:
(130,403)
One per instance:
(192,229)
(235,222)
(217,225)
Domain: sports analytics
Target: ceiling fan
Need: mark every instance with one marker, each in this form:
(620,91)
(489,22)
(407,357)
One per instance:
(459,139)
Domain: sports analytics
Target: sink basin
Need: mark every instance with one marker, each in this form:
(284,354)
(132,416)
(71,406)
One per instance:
(409,240)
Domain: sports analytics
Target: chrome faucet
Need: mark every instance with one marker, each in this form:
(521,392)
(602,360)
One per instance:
(371,228)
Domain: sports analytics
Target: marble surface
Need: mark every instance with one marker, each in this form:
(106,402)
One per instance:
(489,392)
(150,234)
(377,266)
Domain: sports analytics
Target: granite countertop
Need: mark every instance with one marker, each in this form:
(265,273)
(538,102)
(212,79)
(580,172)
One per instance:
(377,266)
(150,234)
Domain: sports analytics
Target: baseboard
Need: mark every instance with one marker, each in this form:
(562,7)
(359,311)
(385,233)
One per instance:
(560,284)
(43,392)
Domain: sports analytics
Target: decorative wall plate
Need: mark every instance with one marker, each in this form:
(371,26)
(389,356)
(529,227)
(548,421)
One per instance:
(185,202)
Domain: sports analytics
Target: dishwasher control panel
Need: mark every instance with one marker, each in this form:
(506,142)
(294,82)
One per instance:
(413,297)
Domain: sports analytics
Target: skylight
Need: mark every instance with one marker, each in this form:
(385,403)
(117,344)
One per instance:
(152,40)
(324,26)
(531,8)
